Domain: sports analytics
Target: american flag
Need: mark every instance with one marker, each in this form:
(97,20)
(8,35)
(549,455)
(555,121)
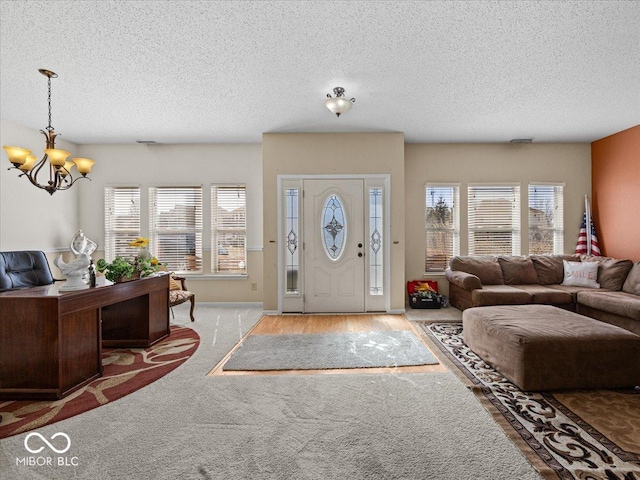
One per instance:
(583,238)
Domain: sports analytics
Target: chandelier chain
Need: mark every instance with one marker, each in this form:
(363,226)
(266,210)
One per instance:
(49,128)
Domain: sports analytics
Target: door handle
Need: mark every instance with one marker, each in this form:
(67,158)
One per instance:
(360,254)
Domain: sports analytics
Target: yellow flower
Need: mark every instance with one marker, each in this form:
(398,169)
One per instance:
(154,261)
(140,242)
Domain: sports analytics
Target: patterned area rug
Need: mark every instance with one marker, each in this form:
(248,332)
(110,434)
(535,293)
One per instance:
(580,434)
(125,371)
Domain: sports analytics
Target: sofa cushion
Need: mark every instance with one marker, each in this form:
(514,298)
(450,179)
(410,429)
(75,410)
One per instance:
(546,295)
(463,279)
(518,270)
(619,303)
(486,268)
(577,274)
(573,291)
(632,283)
(550,269)
(612,272)
(499,295)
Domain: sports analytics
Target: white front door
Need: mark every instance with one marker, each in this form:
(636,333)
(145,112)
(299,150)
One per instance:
(334,253)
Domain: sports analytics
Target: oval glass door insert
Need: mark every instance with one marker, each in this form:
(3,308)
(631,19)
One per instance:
(334,227)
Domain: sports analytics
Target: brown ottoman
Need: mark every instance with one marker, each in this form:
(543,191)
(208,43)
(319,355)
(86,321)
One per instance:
(539,347)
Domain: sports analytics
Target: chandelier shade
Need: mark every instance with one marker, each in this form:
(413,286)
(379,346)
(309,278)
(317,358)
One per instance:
(60,177)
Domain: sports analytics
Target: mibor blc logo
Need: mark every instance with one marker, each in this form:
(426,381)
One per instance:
(36,443)
(44,440)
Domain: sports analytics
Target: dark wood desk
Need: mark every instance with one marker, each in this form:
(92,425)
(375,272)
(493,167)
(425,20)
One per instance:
(50,341)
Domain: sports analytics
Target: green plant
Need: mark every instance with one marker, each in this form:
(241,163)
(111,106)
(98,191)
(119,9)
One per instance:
(116,269)
(121,267)
(149,266)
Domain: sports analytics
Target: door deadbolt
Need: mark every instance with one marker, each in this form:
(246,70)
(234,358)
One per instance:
(359,245)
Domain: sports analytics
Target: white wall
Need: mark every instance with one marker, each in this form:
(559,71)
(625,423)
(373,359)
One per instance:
(30,218)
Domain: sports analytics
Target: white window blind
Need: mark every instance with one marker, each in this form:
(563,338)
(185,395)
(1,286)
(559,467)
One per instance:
(121,221)
(176,227)
(494,219)
(442,234)
(228,229)
(546,219)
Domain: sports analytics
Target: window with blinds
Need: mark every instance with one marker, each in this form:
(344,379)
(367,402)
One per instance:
(228,229)
(442,233)
(176,227)
(494,219)
(546,219)
(121,221)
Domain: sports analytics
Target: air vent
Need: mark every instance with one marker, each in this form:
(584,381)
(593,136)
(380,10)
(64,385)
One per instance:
(521,140)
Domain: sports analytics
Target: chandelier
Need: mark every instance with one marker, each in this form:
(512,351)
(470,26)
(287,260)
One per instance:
(60,177)
(338,104)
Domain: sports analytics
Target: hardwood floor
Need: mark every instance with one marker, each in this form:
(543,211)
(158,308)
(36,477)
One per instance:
(309,324)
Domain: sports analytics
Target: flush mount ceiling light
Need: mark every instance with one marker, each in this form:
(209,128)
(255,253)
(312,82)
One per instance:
(338,104)
(60,177)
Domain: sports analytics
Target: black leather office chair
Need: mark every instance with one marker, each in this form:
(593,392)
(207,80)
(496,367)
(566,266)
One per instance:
(24,269)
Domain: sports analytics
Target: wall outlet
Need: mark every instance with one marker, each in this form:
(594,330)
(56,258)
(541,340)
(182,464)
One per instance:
(254,286)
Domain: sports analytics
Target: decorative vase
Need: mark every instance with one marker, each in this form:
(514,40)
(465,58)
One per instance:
(144,253)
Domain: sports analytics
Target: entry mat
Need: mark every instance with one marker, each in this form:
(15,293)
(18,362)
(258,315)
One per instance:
(396,348)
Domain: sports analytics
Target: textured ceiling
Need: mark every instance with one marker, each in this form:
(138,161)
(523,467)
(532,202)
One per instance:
(210,72)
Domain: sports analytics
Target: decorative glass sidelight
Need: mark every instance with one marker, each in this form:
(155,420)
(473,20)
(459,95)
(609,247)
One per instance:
(291,241)
(375,242)
(334,227)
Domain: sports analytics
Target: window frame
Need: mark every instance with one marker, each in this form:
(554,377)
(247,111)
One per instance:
(114,235)
(557,227)
(240,231)
(494,228)
(455,228)
(195,258)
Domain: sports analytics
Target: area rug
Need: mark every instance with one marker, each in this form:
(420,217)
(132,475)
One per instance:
(580,434)
(125,371)
(397,348)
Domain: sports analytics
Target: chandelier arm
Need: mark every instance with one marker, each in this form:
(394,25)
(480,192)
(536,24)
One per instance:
(31,179)
(33,173)
(69,181)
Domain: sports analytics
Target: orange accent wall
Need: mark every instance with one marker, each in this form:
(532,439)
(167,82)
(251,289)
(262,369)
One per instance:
(615,184)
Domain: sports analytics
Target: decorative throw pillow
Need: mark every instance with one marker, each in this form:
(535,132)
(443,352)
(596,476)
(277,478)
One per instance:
(578,274)
(612,272)
(550,269)
(174,284)
(632,283)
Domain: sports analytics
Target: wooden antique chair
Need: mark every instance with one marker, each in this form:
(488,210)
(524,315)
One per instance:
(178,294)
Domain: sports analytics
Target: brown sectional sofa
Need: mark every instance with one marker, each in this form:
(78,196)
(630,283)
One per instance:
(536,279)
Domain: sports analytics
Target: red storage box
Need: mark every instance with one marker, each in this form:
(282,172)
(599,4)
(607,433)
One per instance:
(418,301)
(411,286)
